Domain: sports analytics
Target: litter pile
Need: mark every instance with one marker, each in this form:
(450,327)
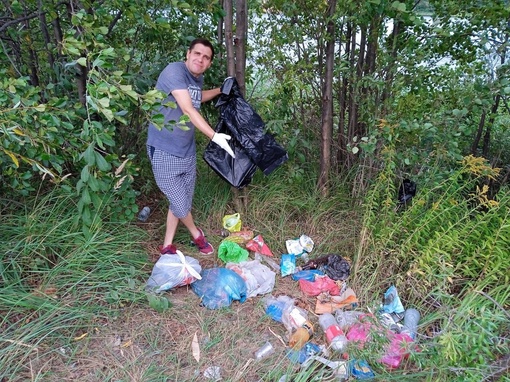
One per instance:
(343,325)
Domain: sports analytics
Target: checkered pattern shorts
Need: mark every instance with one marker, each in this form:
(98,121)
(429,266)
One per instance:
(175,177)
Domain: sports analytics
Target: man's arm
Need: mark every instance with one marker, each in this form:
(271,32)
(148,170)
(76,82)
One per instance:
(208,95)
(184,101)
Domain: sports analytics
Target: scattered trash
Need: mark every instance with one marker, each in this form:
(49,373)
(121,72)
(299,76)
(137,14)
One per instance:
(287,264)
(240,237)
(300,247)
(264,351)
(172,271)
(231,252)
(218,287)
(340,368)
(406,191)
(411,319)
(213,373)
(232,223)
(301,355)
(360,369)
(195,348)
(308,275)
(319,285)
(327,303)
(334,333)
(259,278)
(258,245)
(144,214)
(335,266)
(391,301)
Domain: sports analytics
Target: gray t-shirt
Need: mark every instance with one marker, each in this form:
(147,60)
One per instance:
(176,141)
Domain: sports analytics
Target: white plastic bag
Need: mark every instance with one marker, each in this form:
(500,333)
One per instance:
(172,271)
(258,277)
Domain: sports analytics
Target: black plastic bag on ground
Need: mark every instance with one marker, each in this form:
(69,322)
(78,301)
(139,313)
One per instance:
(245,126)
(334,266)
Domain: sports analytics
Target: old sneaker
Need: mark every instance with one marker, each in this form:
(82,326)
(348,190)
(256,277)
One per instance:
(203,245)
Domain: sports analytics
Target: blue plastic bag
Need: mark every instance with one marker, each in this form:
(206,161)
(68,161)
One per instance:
(308,275)
(391,301)
(219,287)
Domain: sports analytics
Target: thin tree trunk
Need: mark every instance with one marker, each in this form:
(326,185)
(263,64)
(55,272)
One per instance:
(327,102)
(487,135)
(342,140)
(240,42)
(229,38)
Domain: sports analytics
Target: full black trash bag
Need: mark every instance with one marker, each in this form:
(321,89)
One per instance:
(335,266)
(239,171)
(245,126)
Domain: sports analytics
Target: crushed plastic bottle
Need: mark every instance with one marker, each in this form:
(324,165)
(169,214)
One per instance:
(144,214)
(411,319)
(334,333)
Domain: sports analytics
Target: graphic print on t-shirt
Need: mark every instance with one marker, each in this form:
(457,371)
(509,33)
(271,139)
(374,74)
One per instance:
(196,95)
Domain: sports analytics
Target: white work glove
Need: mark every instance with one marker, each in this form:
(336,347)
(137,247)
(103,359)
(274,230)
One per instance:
(221,140)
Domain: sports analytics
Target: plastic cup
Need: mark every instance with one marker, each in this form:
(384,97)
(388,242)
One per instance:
(264,351)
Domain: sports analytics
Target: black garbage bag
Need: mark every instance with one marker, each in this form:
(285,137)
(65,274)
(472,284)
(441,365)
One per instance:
(245,126)
(239,171)
(406,191)
(335,266)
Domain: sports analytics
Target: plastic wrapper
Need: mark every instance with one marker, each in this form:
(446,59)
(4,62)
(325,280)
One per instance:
(258,245)
(391,301)
(258,277)
(300,246)
(172,271)
(287,264)
(219,287)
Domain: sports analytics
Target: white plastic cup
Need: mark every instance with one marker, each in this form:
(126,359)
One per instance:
(265,350)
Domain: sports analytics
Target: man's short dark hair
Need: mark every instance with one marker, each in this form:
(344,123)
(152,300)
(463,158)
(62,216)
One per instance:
(202,41)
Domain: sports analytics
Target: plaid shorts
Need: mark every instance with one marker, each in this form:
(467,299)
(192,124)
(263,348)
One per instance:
(176,178)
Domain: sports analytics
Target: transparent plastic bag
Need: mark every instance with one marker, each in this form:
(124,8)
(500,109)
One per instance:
(172,271)
(258,277)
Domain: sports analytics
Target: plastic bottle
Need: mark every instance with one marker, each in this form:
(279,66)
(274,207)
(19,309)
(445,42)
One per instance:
(300,337)
(411,319)
(334,333)
(144,214)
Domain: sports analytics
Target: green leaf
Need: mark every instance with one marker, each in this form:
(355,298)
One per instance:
(85,174)
(158,303)
(102,164)
(82,61)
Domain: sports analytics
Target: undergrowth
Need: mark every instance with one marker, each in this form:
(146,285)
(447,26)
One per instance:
(66,292)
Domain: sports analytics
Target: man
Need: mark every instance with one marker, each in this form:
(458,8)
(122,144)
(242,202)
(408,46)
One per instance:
(172,152)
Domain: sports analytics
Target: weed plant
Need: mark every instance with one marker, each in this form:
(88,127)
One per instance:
(448,254)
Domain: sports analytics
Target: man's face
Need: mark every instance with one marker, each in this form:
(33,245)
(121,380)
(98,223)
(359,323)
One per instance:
(198,59)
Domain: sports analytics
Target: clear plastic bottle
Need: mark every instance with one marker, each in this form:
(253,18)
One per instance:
(411,319)
(300,337)
(334,333)
(144,214)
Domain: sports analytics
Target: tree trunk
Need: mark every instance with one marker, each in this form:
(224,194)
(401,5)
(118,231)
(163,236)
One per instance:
(229,38)
(327,103)
(342,139)
(240,42)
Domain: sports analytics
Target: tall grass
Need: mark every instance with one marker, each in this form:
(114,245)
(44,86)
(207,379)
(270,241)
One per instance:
(57,282)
